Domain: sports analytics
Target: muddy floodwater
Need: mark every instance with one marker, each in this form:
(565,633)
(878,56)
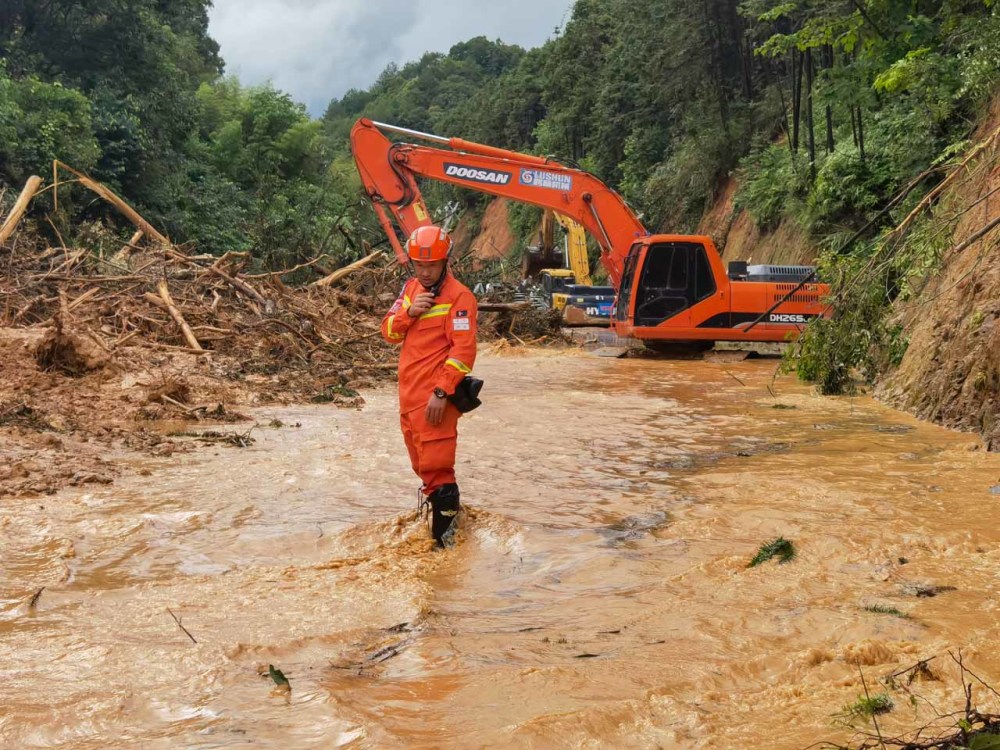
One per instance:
(599,595)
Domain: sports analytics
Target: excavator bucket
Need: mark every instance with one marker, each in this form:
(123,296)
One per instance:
(536,259)
(545,254)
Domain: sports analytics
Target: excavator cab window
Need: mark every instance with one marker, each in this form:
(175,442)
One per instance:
(674,276)
(628,276)
(555,284)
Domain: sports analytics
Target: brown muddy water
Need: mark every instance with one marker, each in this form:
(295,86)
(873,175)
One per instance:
(598,596)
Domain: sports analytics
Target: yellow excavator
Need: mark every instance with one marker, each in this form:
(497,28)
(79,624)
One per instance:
(568,289)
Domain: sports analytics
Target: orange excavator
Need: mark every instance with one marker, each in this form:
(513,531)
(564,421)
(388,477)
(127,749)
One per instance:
(670,287)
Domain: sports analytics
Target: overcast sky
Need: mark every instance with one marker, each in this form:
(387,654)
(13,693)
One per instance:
(318,49)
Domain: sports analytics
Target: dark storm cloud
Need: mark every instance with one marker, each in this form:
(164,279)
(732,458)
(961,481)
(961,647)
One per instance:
(318,49)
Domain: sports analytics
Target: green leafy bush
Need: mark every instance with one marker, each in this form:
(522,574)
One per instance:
(40,122)
(848,188)
(771,183)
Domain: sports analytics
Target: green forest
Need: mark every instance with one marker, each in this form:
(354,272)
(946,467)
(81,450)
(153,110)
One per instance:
(823,109)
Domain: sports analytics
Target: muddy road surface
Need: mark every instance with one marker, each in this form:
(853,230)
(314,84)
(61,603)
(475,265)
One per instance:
(599,595)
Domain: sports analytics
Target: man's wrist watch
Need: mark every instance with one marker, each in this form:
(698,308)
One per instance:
(439,392)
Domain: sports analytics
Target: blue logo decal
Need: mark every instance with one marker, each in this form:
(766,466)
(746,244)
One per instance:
(545,179)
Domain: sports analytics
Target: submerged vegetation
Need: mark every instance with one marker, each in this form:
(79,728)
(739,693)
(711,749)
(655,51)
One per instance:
(779,548)
(882,609)
(866,707)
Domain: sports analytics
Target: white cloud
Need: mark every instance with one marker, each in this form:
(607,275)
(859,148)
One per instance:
(318,49)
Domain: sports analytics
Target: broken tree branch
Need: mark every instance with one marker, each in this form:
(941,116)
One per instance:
(897,233)
(287,271)
(978,235)
(178,318)
(238,283)
(343,273)
(129,247)
(124,208)
(16,213)
(868,696)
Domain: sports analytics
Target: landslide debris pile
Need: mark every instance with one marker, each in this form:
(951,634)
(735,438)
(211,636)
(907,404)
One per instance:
(94,349)
(94,310)
(151,293)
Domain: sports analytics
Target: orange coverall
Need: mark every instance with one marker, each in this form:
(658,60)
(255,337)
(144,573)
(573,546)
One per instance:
(439,349)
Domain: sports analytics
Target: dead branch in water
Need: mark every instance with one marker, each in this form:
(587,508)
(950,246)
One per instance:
(181,626)
(34,600)
(951,731)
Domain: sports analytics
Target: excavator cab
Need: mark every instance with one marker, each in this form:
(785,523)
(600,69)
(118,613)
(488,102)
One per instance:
(545,255)
(674,288)
(554,282)
(664,280)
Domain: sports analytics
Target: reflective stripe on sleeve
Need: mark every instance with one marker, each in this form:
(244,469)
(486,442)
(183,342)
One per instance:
(388,330)
(458,365)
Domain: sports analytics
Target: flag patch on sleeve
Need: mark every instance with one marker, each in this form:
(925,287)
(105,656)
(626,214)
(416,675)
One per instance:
(462,314)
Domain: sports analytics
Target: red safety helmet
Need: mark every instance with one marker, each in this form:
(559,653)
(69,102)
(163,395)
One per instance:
(428,244)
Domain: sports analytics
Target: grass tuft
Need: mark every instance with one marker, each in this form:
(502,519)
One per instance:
(882,609)
(781,548)
(867,707)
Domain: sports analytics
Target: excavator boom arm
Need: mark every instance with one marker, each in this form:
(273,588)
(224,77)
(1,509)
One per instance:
(576,249)
(390,171)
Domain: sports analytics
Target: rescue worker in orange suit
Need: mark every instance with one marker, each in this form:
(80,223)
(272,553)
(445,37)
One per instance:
(434,319)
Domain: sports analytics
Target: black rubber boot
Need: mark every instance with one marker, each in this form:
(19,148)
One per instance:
(444,512)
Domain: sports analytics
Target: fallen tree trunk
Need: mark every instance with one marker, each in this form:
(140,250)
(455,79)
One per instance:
(503,306)
(124,208)
(178,318)
(14,218)
(342,273)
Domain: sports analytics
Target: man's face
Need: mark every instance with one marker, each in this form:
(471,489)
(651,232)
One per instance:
(428,272)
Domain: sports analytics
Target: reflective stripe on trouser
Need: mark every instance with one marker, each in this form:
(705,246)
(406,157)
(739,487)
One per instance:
(431,448)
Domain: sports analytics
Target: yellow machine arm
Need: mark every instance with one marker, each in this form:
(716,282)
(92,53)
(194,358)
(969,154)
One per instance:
(576,249)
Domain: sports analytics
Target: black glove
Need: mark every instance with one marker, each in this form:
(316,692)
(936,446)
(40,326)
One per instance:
(466,395)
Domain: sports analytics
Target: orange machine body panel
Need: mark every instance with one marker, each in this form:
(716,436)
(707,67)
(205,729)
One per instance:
(675,288)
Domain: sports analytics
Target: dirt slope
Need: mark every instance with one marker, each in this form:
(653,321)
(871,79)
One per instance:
(492,239)
(739,238)
(951,371)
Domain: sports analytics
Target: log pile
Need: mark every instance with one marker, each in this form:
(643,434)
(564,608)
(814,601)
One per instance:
(154,295)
